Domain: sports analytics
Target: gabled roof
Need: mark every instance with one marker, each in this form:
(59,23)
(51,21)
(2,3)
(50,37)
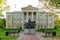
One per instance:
(29,8)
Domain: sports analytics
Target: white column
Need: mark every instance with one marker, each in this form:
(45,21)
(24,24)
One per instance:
(43,22)
(36,20)
(52,21)
(22,20)
(32,16)
(48,21)
(12,21)
(27,16)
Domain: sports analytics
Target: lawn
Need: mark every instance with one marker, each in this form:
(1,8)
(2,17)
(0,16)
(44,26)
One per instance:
(55,30)
(4,37)
(51,30)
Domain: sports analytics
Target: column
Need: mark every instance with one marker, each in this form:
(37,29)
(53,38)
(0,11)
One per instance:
(37,20)
(12,21)
(43,22)
(22,20)
(52,21)
(32,16)
(27,16)
(6,21)
(48,21)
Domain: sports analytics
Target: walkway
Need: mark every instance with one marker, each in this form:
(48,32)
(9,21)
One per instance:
(30,37)
(38,36)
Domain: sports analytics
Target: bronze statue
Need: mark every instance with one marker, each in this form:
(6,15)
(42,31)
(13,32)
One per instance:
(30,24)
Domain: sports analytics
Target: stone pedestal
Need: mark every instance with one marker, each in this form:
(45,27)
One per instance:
(29,28)
(29,31)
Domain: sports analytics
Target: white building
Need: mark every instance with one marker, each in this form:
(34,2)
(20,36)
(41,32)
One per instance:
(17,19)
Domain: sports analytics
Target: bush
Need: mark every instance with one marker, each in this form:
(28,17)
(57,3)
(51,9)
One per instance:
(54,33)
(0,38)
(43,31)
(20,28)
(7,34)
(55,27)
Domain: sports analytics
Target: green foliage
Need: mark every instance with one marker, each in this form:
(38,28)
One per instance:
(2,23)
(56,19)
(0,13)
(3,7)
(55,3)
(54,30)
(4,37)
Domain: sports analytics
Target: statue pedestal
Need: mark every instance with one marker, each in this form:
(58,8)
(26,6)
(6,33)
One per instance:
(30,27)
(29,31)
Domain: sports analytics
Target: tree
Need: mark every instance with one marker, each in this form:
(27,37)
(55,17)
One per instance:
(3,6)
(55,3)
(51,3)
(2,23)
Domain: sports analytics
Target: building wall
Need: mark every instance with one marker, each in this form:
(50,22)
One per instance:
(15,20)
(45,20)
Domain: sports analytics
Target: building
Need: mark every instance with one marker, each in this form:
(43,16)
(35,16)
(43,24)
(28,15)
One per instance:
(17,19)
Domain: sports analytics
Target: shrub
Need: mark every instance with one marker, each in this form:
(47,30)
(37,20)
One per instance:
(54,33)
(55,27)
(7,34)
(20,28)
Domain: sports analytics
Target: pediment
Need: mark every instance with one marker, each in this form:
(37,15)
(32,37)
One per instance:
(29,8)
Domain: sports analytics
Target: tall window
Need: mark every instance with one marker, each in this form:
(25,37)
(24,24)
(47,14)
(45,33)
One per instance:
(24,13)
(34,13)
(29,13)
(34,16)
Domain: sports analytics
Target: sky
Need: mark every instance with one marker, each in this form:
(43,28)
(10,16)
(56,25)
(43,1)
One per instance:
(16,5)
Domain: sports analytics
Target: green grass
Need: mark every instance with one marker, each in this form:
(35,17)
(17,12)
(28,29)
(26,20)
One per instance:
(56,30)
(51,30)
(4,37)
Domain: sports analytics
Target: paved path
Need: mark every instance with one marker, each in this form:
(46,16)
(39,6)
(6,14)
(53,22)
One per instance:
(30,37)
(38,36)
(20,36)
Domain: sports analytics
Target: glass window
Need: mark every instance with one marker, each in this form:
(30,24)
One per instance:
(24,13)
(34,13)
(29,13)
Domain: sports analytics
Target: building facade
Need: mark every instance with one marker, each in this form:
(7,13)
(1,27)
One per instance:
(17,19)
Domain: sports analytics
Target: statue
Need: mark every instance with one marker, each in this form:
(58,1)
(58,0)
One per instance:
(30,24)
(29,27)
